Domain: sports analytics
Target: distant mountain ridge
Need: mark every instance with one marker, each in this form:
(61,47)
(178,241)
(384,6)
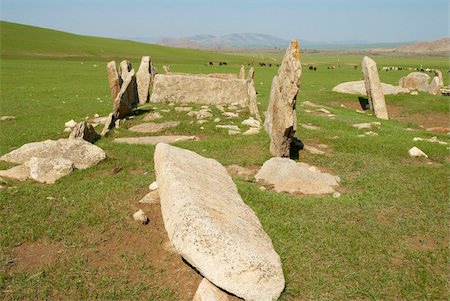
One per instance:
(235,40)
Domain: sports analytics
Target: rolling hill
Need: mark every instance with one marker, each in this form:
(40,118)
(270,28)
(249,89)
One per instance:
(19,40)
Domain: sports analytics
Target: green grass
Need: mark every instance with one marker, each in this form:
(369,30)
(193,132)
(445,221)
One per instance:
(385,238)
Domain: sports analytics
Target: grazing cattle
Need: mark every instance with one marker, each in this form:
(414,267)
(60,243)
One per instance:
(211,63)
(262,64)
(310,68)
(355,67)
(315,68)
(270,65)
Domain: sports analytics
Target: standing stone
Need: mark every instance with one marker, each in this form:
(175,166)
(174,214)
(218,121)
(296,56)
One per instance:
(127,99)
(438,73)
(124,69)
(85,131)
(143,77)
(281,117)
(373,88)
(113,79)
(212,228)
(252,101)
(207,291)
(242,72)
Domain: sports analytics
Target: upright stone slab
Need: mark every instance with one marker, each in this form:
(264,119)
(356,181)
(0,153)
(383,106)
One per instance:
(212,228)
(124,69)
(373,88)
(281,117)
(127,98)
(252,101)
(143,77)
(242,72)
(198,89)
(113,79)
(438,73)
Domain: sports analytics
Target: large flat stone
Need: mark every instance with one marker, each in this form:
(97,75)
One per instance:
(212,228)
(289,176)
(153,127)
(359,88)
(198,89)
(154,139)
(48,170)
(82,153)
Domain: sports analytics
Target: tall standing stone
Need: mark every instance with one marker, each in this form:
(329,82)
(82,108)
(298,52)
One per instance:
(281,117)
(126,100)
(373,87)
(143,77)
(252,101)
(113,79)
(242,72)
(124,69)
(438,73)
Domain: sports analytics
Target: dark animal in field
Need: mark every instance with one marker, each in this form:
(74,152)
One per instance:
(315,68)
(211,63)
(278,65)
(310,68)
(262,64)
(223,63)
(356,67)
(270,65)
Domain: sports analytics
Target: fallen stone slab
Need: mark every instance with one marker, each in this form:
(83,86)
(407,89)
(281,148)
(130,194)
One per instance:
(364,125)
(310,127)
(152,116)
(152,127)
(289,176)
(228,127)
(141,217)
(237,170)
(48,170)
(20,173)
(313,150)
(252,131)
(359,88)
(207,291)
(82,153)
(198,89)
(212,228)
(153,140)
(251,122)
(432,139)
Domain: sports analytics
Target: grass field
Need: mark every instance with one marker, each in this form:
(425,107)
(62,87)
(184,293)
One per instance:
(385,238)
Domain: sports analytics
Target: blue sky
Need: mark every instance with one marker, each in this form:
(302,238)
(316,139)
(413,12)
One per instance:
(312,20)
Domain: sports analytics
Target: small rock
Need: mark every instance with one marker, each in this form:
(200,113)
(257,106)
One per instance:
(140,216)
(262,188)
(432,139)
(414,93)
(5,118)
(359,111)
(84,131)
(67,130)
(216,120)
(220,108)
(252,131)
(116,170)
(207,291)
(323,111)
(96,115)
(416,152)
(336,194)
(70,124)
(232,108)
(153,186)
(360,126)
(150,198)
(152,116)
(313,150)
(202,121)
(117,124)
(228,127)
(251,122)
(371,133)
(309,127)
(183,109)
(165,111)
(171,104)
(230,114)
(233,132)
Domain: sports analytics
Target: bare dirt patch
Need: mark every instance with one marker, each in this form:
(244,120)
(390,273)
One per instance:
(421,243)
(34,256)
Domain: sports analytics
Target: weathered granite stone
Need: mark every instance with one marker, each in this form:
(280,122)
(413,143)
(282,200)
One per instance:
(48,170)
(152,127)
(20,173)
(7,118)
(289,176)
(416,152)
(373,88)
(153,140)
(434,87)
(438,73)
(124,69)
(242,72)
(143,79)
(207,291)
(150,198)
(197,89)
(82,153)
(127,98)
(113,79)
(84,131)
(152,116)
(281,114)
(252,100)
(359,88)
(212,228)
(415,81)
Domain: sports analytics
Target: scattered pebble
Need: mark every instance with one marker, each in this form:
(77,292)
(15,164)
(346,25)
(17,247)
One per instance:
(336,194)
(153,186)
(416,152)
(140,216)
(371,133)
(432,139)
(217,120)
